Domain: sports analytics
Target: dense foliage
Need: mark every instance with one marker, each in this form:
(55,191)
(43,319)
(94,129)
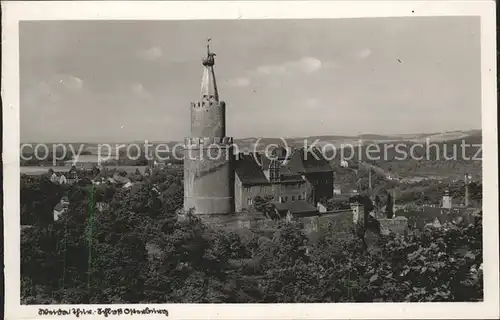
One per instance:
(136,250)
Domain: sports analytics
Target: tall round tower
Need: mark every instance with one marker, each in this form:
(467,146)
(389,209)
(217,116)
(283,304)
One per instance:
(208,153)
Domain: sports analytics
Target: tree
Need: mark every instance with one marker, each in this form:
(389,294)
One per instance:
(265,206)
(38,198)
(389,207)
(378,202)
(137,251)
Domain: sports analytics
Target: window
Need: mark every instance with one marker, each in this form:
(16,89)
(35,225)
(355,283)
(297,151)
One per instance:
(274,171)
(249,201)
(293,198)
(299,197)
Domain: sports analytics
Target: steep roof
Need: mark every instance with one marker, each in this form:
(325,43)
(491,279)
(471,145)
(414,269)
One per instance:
(248,170)
(294,163)
(313,161)
(297,208)
(304,161)
(263,161)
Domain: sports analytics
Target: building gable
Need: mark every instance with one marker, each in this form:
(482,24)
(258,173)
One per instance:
(248,170)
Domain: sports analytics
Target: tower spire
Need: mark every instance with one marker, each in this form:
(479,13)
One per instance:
(208,84)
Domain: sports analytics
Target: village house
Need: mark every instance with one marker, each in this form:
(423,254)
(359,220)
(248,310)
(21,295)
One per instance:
(60,208)
(337,189)
(435,215)
(69,177)
(121,181)
(295,210)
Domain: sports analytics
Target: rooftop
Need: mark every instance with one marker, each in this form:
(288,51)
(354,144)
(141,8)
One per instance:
(296,208)
(250,168)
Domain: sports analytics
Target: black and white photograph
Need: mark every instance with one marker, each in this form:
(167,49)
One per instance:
(233,160)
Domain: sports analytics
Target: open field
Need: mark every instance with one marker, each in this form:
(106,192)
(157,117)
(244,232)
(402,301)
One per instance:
(32,171)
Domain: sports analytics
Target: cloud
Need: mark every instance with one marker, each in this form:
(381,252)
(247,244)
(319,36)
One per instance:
(308,64)
(312,102)
(363,54)
(57,87)
(151,54)
(139,91)
(64,82)
(239,82)
(330,65)
(304,65)
(272,69)
(45,90)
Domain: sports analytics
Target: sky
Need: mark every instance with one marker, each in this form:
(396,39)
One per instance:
(96,81)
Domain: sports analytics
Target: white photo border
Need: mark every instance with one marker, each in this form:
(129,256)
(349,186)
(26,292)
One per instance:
(16,11)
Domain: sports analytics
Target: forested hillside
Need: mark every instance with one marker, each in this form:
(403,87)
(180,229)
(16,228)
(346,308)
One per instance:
(135,250)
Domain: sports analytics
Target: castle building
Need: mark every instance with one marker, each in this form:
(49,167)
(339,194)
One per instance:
(218,181)
(301,176)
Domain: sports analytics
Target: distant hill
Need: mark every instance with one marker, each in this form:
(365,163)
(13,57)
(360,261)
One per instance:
(337,141)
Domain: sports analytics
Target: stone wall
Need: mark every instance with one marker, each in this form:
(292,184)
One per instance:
(398,225)
(208,119)
(319,222)
(236,221)
(208,179)
(251,220)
